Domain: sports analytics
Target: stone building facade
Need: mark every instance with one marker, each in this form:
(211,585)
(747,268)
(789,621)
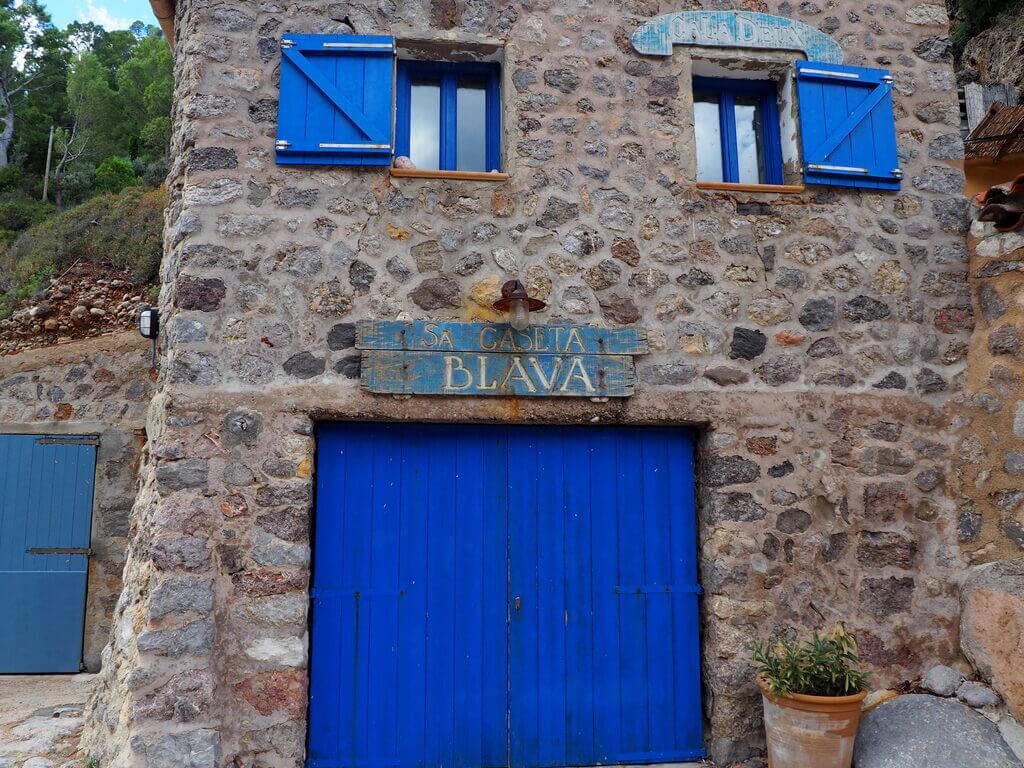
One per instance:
(96,387)
(819,339)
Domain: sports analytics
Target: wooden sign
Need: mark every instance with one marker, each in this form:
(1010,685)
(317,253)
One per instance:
(429,358)
(734,29)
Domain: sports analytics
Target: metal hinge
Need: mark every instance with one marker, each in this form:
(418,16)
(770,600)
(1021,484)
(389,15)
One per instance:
(285,43)
(68,441)
(87,551)
(897,173)
(282,144)
(841,168)
(887,79)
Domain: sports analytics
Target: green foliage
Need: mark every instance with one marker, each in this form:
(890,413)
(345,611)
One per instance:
(123,231)
(22,213)
(91,762)
(825,665)
(114,174)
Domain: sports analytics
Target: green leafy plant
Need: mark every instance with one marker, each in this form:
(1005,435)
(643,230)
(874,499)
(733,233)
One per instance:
(825,665)
(92,762)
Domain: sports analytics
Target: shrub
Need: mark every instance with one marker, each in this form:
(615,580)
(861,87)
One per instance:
(825,665)
(123,231)
(114,174)
(18,214)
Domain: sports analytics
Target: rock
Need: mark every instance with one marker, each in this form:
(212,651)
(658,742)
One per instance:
(1013,734)
(181,594)
(557,212)
(977,695)
(729,470)
(194,638)
(863,309)
(725,376)
(919,730)
(194,749)
(619,309)
(304,365)
(747,344)
(942,680)
(818,314)
(991,625)
(437,293)
(285,652)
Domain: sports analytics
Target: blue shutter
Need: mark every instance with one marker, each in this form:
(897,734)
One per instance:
(847,126)
(336,100)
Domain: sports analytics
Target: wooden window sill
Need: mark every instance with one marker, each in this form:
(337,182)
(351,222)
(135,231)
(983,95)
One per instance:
(779,189)
(416,173)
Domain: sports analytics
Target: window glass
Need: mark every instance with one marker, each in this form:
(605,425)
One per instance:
(471,128)
(749,140)
(425,124)
(709,136)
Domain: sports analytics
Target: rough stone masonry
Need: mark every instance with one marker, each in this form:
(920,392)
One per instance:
(818,339)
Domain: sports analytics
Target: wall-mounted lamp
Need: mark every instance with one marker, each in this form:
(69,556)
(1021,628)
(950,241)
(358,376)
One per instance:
(518,303)
(149,327)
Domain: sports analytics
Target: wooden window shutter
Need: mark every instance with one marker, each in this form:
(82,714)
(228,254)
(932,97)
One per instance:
(847,126)
(336,101)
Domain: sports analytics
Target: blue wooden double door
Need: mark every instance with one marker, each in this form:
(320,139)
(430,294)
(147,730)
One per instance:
(489,596)
(46,494)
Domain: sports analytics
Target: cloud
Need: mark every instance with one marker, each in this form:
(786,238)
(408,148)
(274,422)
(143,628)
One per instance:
(101,15)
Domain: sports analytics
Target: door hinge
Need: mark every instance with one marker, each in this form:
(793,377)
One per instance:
(87,551)
(282,144)
(68,441)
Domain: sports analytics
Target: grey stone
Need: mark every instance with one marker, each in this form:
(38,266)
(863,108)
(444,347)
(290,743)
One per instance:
(720,471)
(293,197)
(427,256)
(182,594)
(263,111)
(215,192)
(946,146)
(398,269)
(241,427)
(941,179)
(780,369)
(183,552)
(187,473)
(734,506)
(818,314)
(1004,340)
(604,274)
(942,680)
(583,241)
(1018,420)
(361,276)
(1014,463)
(299,260)
(468,264)
(921,730)
(194,749)
(977,695)
(270,551)
(724,376)
(350,367)
(304,365)
(564,80)
(341,336)
(928,479)
(212,159)
(793,521)
(892,380)
(822,348)
(669,373)
(930,382)
(992,305)
(884,597)
(863,309)
(193,638)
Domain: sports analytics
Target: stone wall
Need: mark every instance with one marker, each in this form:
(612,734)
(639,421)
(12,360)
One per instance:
(818,339)
(989,477)
(101,386)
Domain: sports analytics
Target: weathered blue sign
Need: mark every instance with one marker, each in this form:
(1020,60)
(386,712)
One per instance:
(562,360)
(734,29)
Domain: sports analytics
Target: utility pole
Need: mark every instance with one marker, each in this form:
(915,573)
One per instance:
(49,156)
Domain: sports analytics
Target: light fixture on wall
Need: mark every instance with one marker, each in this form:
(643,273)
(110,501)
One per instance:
(518,303)
(149,327)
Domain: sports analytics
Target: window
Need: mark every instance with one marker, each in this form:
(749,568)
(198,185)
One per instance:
(736,123)
(449,115)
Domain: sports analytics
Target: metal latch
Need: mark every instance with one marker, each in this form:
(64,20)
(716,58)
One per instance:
(87,551)
(68,441)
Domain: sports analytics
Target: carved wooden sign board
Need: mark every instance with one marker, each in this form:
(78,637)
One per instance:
(563,360)
(734,29)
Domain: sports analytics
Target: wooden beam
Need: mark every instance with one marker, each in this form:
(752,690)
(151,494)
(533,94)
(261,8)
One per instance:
(417,173)
(164,12)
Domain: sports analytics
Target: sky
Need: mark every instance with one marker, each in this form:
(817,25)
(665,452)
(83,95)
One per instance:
(111,14)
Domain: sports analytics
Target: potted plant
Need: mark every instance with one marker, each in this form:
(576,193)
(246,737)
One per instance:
(812,694)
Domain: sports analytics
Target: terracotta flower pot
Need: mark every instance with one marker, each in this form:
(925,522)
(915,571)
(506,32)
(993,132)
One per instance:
(810,731)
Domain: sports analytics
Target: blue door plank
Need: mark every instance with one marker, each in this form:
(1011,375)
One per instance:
(439,530)
(46,492)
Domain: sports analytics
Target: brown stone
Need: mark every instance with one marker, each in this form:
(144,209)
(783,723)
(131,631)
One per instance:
(63,412)
(265,583)
(626,251)
(763,446)
(992,628)
(503,205)
(620,309)
(282,691)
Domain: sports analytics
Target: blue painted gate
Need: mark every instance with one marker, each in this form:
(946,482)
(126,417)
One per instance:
(46,490)
(504,596)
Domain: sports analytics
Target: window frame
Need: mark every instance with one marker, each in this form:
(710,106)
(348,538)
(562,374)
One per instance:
(727,89)
(449,73)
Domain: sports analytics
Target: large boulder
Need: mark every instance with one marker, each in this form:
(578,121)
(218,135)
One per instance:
(919,730)
(992,628)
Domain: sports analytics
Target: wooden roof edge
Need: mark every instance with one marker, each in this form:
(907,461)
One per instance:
(995,112)
(164,11)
